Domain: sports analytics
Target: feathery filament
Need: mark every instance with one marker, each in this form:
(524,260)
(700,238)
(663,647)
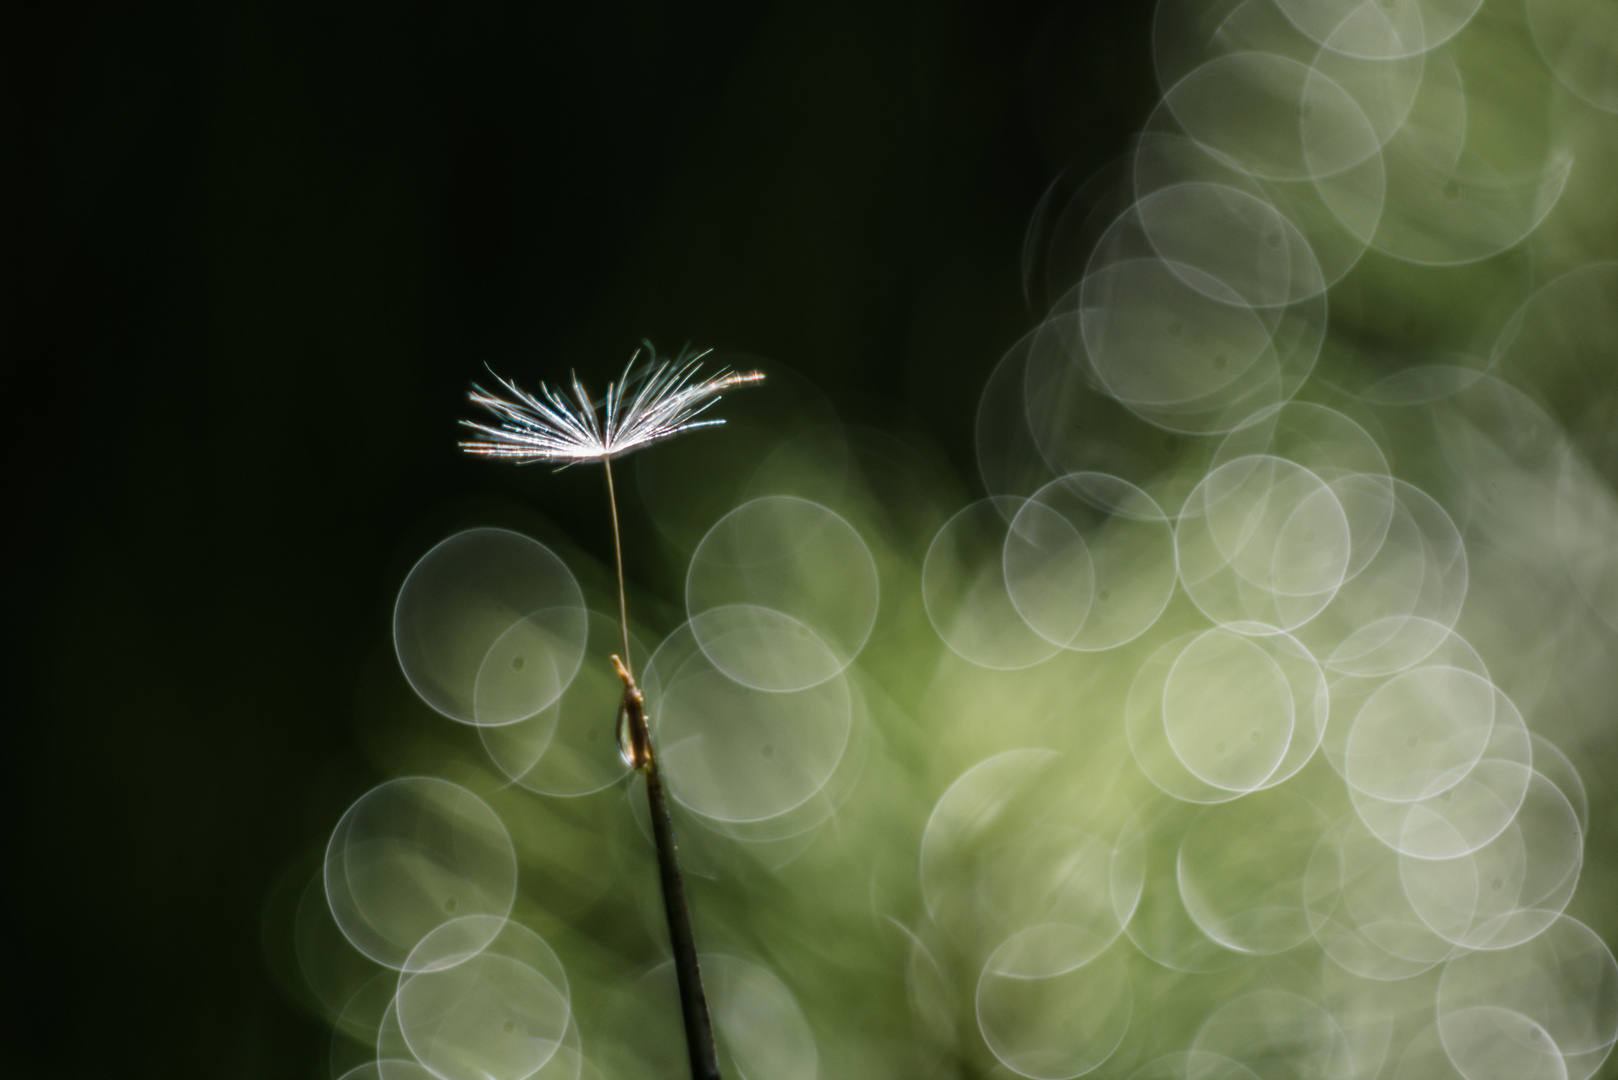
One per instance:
(549,427)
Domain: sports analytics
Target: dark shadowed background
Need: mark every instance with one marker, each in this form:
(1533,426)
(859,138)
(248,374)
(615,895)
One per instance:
(256,252)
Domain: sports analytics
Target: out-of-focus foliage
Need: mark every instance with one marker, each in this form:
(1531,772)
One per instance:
(1253,718)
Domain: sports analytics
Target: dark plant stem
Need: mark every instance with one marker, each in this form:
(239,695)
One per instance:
(635,741)
(693,1004)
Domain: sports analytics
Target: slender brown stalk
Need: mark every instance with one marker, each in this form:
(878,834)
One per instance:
(635,740)
(618,555)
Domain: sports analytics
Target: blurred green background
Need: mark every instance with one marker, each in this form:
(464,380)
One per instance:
(255,254)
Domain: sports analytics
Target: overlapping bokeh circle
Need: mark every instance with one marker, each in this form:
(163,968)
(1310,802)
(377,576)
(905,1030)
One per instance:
(1230,729)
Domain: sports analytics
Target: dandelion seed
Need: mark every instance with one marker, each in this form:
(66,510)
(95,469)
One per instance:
(547,427)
